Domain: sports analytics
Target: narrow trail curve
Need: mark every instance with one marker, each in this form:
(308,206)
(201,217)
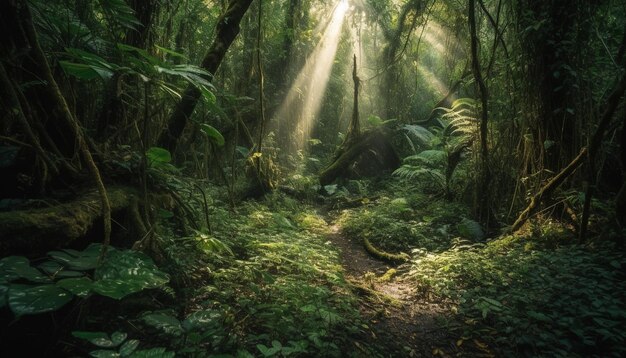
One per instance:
(400,320)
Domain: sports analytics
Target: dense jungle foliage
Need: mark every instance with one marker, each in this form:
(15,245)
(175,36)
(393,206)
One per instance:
(312,178)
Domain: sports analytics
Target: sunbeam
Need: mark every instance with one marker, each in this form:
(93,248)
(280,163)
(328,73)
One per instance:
(432,80)
(303,101)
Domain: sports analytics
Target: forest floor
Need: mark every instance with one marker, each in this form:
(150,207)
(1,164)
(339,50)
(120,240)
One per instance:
(405,323)
(284,276)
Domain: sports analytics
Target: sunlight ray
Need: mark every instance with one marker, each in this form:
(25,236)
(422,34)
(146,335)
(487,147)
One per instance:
(432,79)
(304,99)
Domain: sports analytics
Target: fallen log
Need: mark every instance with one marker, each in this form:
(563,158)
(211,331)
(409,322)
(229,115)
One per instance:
(383,255)
(36,231)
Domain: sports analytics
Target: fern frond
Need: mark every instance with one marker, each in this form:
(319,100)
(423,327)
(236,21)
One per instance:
(412,172)
(430,157)
(465,101)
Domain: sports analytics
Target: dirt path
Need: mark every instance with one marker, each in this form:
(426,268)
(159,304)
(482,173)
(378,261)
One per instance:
(399,319)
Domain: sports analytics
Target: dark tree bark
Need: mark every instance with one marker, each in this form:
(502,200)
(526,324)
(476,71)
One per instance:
(483,210)
(594,146)
(595,143)
(145,12)
(554,34)
(227,30)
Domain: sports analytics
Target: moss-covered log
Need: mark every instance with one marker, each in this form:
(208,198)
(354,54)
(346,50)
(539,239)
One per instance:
(383,255)
(39,230)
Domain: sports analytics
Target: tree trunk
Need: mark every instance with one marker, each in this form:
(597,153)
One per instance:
(553,49)
(483,210)
(226,30)
(354,129)
(594,146)
(145,12)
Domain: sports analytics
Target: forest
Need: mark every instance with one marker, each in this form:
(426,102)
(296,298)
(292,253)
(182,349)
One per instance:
(312,178)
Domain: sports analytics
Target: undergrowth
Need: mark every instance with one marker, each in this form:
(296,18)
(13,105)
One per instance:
(264,281)
(532,296)
(273,282)
(401,219)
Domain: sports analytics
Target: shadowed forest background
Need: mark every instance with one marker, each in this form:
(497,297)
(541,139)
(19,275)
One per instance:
(312,178)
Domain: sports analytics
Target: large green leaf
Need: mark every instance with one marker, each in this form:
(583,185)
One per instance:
(127,272)
(80,70)
(422,136)
(128,347)
(118,337)
(88,65)
(15,267)
(88,336)
(208,96)
(201,320)
(171,52)
(104,353)
(121,13)
(26,299)
(374,121)
(80,286)
(164,322)
(192,74)
(158,155)
(152,353)
(79,260)
(56,270)
(8,266)
(31,274)
(214,135)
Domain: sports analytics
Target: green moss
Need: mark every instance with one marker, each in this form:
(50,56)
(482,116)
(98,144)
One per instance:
(388,276)
(42,229)
(386,256)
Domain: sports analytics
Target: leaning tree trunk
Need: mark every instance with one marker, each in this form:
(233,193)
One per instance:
(226,30)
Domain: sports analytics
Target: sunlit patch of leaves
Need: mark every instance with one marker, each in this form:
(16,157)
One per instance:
(408,221)
(532,300)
